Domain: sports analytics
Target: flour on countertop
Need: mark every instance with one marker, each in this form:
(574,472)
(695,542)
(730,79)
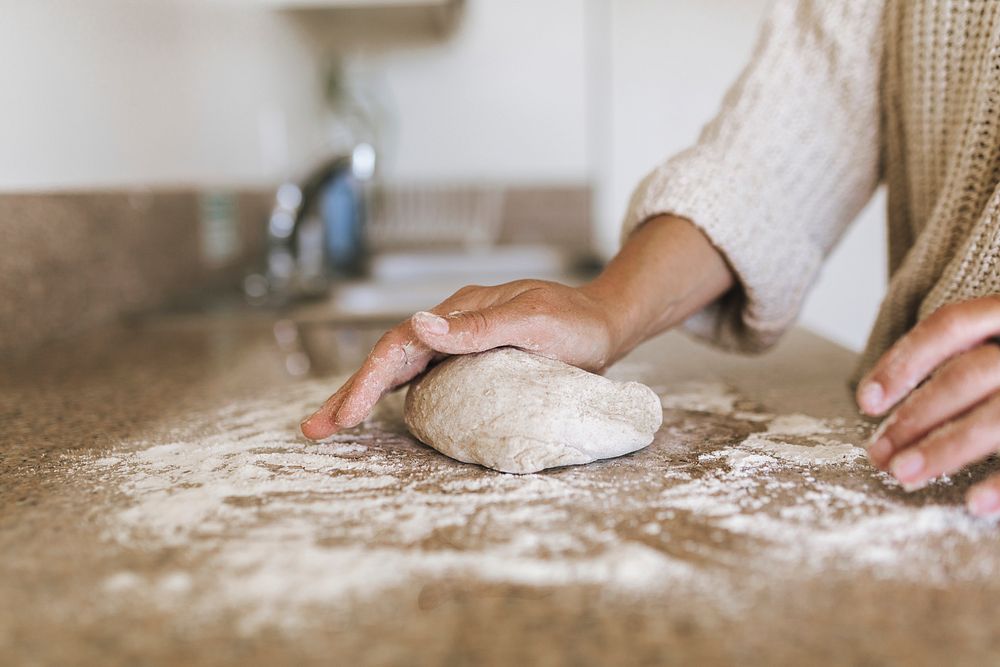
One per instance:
(277,525)
(796,424)
(821,451)
(714,397)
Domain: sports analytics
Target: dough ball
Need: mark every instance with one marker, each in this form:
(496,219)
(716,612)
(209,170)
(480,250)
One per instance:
(517,412)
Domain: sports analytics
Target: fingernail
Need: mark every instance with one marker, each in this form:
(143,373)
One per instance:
(881,429)
(335,417)
(430,322)
(881,450)
(915,486)
(308,419)
(907,465)
(871,397)
(983,501)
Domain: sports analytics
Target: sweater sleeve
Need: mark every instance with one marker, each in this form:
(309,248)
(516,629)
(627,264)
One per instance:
(789,161)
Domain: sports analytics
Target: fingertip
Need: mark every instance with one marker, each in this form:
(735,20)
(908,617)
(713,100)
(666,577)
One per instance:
(441,343)
(880,452)
(430,323)
(317,428)
(983,500)
(909,466)
(871,397)
(323,423)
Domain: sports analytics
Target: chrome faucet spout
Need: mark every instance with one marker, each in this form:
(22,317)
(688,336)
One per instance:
(315,232)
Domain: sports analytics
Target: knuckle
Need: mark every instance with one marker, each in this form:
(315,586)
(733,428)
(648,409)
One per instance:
(462,293)
(531,289)
(476,322)
(948,320)
(971,369)
(539,285)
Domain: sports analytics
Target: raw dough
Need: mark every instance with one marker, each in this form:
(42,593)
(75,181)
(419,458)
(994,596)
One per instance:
(517,412)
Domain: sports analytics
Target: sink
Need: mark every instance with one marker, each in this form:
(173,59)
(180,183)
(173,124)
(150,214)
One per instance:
(335,334)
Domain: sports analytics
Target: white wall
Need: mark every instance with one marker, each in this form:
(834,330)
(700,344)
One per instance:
(112,92)
(504,98)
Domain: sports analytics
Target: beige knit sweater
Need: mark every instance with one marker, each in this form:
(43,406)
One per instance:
(839,96)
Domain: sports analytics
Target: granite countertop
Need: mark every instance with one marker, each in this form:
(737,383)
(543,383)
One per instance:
(158,507)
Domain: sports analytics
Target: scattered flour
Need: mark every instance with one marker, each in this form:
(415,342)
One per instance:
(713,397)
(274,525)
(796,424)
(821,453)
(284,524)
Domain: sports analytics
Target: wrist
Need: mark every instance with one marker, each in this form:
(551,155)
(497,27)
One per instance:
(619,313)
(665,271)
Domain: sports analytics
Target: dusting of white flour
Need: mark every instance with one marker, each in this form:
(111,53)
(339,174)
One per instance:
(278,524)
(823,452)
(713,397)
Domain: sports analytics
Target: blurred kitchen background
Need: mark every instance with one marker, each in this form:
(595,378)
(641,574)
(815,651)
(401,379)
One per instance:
(144,144)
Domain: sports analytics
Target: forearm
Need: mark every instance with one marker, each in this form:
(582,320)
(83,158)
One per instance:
(666,271)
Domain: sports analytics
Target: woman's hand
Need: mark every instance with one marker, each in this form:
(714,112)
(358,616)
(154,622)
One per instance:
(953,418)
(666,271)
(550,319)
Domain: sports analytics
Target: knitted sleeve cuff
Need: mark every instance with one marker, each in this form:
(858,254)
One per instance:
(774,265)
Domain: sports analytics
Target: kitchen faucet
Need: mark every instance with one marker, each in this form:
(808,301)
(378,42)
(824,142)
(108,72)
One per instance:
(315,232)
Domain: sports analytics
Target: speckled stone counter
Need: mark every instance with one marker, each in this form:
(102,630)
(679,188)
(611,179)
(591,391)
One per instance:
(158,507)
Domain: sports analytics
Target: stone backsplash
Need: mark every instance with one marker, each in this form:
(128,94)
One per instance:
(69,261)
(73,260)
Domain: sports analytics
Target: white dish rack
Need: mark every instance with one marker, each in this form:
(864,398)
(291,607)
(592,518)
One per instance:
(427,217)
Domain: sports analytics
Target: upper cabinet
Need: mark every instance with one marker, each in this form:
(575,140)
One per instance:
(440,16)
(355,4)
